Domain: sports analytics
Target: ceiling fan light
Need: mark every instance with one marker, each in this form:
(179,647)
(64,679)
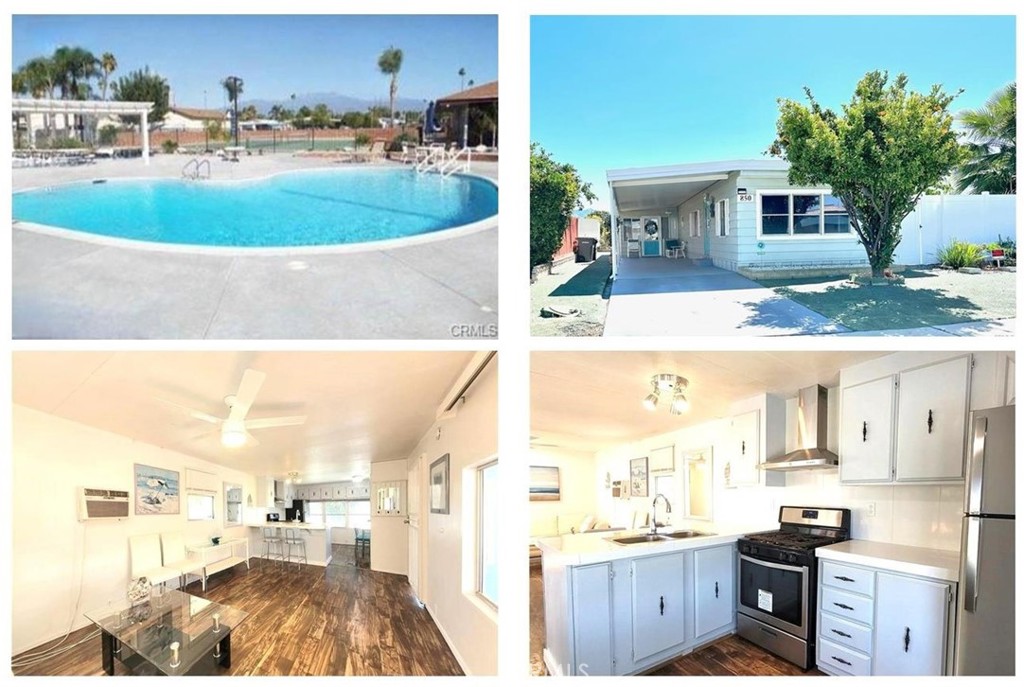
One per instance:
(651,402)
(679,404)
(232,438)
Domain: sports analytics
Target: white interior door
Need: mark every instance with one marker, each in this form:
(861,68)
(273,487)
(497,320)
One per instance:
(413,519)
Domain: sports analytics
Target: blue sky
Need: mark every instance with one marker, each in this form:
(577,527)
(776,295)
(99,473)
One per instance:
(278,55)
(610,92)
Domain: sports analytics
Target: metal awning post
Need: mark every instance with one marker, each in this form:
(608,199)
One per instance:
(145,137)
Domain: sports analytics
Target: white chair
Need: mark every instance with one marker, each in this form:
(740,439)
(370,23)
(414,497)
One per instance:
(632,247)
(147,560)
(176,557)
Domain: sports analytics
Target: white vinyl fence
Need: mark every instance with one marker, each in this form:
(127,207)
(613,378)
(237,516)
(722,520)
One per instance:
(937,220)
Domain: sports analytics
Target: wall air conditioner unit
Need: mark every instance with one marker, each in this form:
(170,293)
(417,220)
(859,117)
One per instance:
(456,396)
(102,504)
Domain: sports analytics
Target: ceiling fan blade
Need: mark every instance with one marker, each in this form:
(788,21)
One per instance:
(266,422)
(252,381)
(250,440)
(192,412)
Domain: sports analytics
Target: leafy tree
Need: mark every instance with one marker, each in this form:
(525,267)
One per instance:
(991,144)
(879,155)
(483,119)
(321,116)
(108,135)
(144,86)
(74,66)
(37,78)
(556,191)
(390,63)
(215,130)
(248,113)
(108,64)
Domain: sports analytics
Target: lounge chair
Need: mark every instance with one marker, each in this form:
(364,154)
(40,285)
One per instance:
(377,151)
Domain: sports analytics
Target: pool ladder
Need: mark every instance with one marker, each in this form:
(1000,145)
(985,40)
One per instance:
(445,163)
(193,169)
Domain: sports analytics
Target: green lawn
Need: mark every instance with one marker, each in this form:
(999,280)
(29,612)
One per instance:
(927,298)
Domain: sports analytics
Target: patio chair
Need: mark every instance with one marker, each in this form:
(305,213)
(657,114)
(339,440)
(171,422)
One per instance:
(675,248)
(632,247)
(377,151)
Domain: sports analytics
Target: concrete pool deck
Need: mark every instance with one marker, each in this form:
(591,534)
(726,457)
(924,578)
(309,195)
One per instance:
(65,288)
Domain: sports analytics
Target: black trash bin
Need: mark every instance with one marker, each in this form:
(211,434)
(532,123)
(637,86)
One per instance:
(586,249)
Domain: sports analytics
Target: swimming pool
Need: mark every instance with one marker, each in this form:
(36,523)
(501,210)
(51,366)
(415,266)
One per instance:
(307,208)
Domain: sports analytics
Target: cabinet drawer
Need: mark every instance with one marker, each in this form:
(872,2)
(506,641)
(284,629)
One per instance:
(856,580)
(845,632)
(842,659)
(849,606)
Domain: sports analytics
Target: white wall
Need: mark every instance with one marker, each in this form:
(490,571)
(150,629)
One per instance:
(939,219)
(578,483)
(389,549)
(471,439)
(927,516)
(62,567)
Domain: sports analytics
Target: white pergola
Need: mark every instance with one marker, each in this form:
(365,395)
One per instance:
(88,107)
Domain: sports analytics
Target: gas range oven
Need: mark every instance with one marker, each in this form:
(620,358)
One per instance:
(778,580)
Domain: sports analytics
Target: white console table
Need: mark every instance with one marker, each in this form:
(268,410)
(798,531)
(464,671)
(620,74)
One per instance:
(212,565)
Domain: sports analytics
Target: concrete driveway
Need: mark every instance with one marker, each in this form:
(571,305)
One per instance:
(664,297)
(65,288)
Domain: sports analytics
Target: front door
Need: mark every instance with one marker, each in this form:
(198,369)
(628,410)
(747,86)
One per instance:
(651,237)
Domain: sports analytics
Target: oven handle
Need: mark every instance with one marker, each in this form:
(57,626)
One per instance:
(757,561)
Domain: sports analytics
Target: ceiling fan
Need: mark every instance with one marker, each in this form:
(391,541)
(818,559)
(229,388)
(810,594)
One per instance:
(234,429)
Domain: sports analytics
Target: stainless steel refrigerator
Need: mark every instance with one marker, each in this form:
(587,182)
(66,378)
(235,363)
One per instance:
(985,617)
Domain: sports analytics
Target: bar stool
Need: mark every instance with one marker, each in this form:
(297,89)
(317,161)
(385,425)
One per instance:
(362,542)
(273,545)
(293,540)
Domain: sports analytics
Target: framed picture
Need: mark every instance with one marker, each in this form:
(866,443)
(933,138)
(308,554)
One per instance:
(544,484)
(638,477)
(439,485)
(157,491)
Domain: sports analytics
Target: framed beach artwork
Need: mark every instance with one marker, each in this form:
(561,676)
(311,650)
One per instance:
(439,485)
(157,491)
(544,483)
(638,477)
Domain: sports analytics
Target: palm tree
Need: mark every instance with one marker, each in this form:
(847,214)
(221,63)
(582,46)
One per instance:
(991,133)
(38,78)
(108,63)
(75,67)
(390,63)
(233,86)
(462,77)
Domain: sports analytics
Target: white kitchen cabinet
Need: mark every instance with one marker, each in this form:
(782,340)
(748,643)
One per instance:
(714,574)
(592,618)
(302,493)
(932,421)
(265,492)
(866,429)
(743,449)
(911,628)
(339,492)
(659,619)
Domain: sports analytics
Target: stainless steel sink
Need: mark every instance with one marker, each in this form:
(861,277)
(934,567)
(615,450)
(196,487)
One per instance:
(684,534)
(638,539)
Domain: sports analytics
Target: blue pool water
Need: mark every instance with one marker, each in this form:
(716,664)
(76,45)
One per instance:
(295,209)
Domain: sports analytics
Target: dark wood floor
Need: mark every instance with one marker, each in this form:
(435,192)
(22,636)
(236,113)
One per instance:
(338,620)
(728,656)
(346,554)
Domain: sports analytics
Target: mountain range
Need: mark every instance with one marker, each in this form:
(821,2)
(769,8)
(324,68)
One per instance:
(337,102)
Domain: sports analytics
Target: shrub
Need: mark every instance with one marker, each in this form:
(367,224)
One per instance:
(169,146)
(362,139)
(1009,245)
(66,143)
(396,143)
(108,134)
(960,254)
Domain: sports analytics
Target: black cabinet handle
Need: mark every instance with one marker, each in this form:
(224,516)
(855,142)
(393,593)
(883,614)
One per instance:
(906,641)
(843,661)
(864,431)
(661,606)
(929,420)
(843,606)
(743,448)
(841,633)
(716,590)
(844,578)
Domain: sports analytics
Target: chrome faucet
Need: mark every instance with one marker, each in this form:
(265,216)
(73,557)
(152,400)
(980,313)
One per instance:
(654,511)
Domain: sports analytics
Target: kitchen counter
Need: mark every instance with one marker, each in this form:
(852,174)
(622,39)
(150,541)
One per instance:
(316,536)
(298,525)
(912,560)
(597,547)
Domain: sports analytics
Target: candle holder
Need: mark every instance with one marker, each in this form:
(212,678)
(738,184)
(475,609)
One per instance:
(175,656)
(216,623)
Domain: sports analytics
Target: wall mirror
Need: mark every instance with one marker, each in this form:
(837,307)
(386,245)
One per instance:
(698,483)
(232,504)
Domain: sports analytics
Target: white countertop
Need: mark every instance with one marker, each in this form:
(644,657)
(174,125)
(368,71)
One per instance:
(316,527)
(597,547)
(912,560)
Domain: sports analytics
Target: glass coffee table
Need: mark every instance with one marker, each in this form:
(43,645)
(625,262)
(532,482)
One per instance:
(172,633)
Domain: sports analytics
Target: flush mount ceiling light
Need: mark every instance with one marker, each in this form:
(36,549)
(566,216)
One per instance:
(293,477)
(672,387)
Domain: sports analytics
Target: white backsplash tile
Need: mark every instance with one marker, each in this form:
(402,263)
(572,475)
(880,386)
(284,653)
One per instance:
(916,516)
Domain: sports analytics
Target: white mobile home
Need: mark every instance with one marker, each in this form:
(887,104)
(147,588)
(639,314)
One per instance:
(740,215)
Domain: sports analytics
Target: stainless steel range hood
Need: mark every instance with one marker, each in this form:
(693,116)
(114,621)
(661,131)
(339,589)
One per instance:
(812,435)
